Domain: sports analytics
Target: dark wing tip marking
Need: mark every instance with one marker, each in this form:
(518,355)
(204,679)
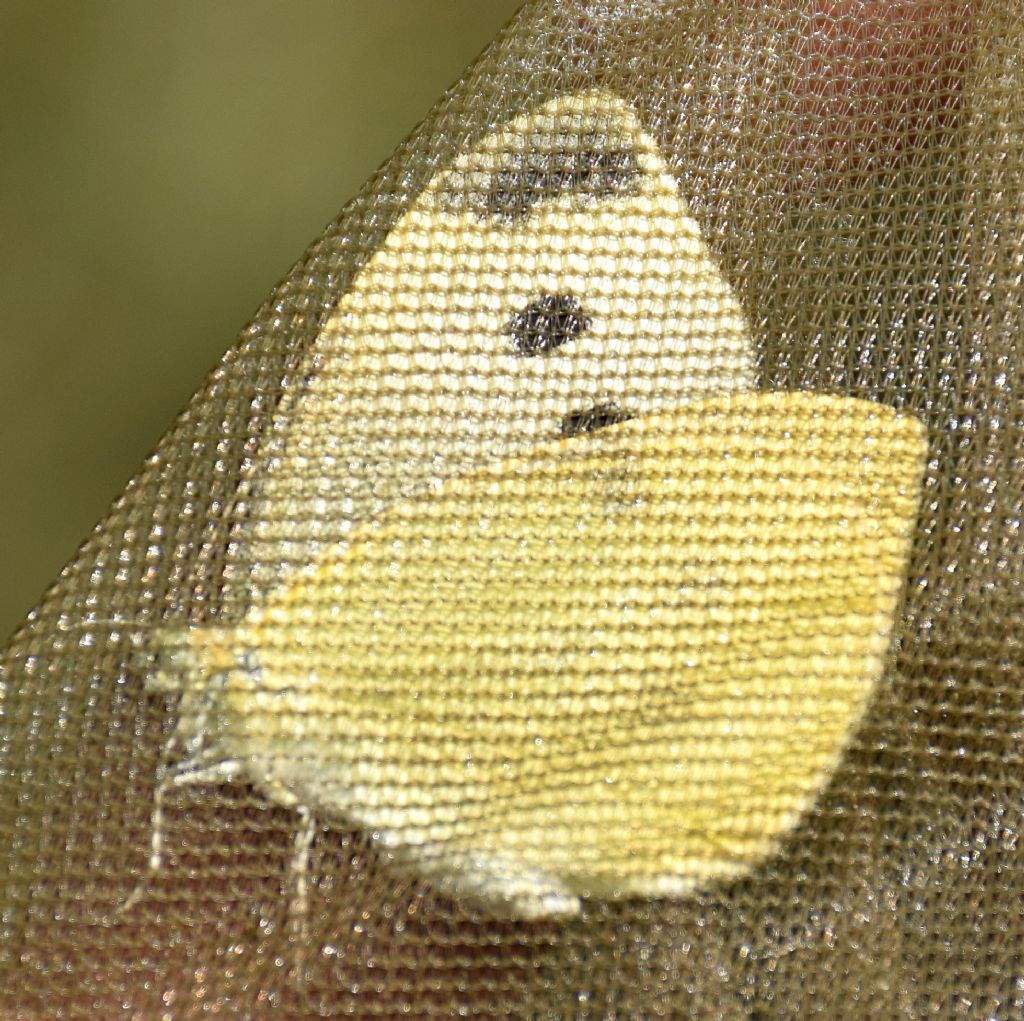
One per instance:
(588,169)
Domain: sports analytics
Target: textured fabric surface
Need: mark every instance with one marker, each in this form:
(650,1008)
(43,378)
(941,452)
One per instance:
(591,584)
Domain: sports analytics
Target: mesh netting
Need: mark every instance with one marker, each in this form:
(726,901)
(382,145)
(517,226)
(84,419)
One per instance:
(590,586)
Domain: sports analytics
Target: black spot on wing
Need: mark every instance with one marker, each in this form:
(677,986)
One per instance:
(589,419)
(547,323)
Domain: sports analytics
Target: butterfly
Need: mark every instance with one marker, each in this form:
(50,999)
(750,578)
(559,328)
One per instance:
(546,597)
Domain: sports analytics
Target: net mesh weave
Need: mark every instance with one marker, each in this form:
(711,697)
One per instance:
(727,201)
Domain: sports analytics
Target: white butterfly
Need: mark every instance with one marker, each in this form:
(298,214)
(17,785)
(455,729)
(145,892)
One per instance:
(547,599)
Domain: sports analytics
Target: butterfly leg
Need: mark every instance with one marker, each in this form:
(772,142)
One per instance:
(182,774)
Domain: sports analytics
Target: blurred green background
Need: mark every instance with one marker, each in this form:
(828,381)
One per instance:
(164,164)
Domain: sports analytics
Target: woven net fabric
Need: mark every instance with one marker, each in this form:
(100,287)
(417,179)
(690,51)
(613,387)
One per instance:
(591,585)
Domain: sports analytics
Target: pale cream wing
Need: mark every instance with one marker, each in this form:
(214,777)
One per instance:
(551,278)
(626,663)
